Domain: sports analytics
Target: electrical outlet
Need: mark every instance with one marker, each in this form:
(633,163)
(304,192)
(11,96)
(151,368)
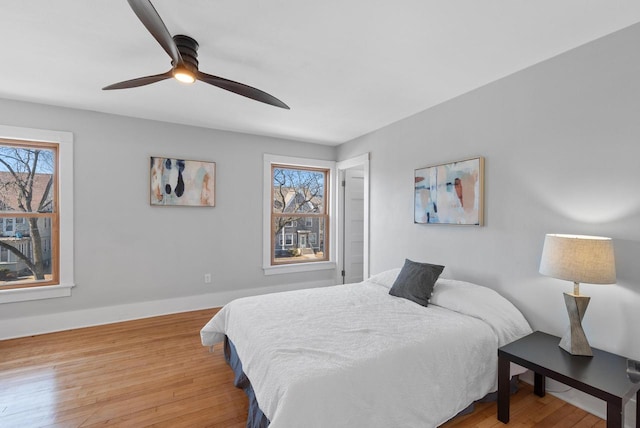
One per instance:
(207,278)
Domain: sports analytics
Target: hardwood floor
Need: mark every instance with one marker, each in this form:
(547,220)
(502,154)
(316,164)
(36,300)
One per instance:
(155,372)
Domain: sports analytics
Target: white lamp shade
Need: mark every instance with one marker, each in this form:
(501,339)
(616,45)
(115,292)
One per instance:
(578,258)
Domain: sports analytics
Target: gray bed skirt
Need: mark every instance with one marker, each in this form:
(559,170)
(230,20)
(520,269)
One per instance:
(256,418)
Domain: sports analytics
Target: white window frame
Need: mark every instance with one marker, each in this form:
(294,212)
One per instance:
(65,200)
(269,160)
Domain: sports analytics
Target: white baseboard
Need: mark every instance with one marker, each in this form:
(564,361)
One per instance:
(584,401)
(49,323)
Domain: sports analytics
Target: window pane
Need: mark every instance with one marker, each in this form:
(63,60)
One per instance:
(298,190)
(304,244)
(26,179)
(26,257)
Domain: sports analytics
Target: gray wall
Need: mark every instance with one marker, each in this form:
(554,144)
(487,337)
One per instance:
(561,144)
(127,251)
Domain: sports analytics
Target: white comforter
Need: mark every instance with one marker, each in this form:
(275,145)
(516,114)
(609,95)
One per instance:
(354,356)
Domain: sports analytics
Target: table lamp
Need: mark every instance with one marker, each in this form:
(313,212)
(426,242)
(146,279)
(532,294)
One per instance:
(578,258)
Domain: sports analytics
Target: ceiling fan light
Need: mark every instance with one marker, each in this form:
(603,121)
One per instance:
(183,75)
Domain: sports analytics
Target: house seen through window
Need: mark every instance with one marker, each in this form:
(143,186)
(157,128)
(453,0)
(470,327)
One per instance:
(28,214)
(299,214)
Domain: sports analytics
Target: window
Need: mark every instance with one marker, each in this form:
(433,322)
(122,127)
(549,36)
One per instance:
(28,195)
(36,242)
(299,196)
(286,239)
(297,193)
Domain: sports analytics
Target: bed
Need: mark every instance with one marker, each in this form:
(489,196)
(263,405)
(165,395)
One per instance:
(354,355)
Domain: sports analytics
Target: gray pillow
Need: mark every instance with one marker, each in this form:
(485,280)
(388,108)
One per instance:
(415,281)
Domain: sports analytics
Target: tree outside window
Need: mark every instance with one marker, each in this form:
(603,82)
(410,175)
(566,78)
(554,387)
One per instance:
(28,209)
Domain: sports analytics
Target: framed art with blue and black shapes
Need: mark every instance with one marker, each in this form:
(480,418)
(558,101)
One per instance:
(180,182)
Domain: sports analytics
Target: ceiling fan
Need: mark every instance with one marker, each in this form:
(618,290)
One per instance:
(183,51)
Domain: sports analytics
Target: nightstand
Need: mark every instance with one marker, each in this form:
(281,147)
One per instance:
(603,376)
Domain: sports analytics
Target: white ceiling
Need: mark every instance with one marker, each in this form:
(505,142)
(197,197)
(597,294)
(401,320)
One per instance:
(345,67)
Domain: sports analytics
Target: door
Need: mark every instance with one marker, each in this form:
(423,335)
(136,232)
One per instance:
(353,225)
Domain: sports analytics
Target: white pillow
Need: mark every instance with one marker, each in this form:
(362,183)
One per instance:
(483,303)
(386,278)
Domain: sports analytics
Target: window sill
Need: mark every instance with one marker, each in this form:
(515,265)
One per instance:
(298,267)
(35,293)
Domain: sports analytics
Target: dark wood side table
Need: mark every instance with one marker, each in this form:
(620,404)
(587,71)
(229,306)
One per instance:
(603,376)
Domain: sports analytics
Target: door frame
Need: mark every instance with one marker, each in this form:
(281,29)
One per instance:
(341,167)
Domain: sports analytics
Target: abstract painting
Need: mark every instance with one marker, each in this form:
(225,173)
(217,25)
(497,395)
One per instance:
(450,193)
(179,182)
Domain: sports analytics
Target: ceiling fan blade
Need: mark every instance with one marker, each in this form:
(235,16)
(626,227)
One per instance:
(140,81)
(152,21)
(241,89)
